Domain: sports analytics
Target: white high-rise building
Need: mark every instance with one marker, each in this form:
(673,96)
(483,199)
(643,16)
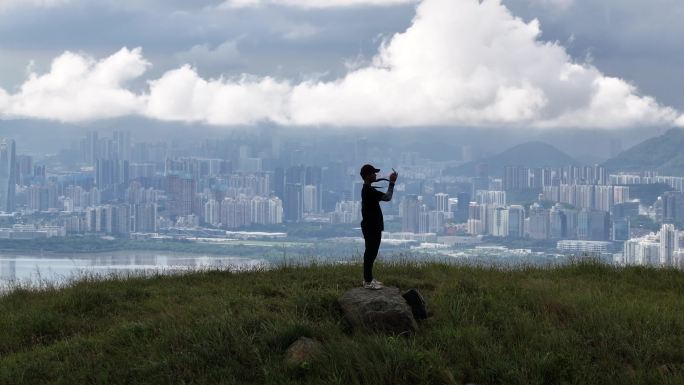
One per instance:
(642,251)
(442,202)
(423,221)
(585,196)
(436,222)
(477,218)
(212,210)
(661,249)
(603,198)
(516,221)
(244,211)
(499,222)
(489,197)
(310,199)
(275,210)
(68,204)
(346,212)
(668,244)
(410,208)
(650,253)
(7,175)
(620,194)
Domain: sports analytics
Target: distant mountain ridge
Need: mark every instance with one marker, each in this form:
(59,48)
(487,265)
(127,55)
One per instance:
(529,154)
(664,153)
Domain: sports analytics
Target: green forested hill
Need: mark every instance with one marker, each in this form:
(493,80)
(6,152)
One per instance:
(530,154)
(664,153)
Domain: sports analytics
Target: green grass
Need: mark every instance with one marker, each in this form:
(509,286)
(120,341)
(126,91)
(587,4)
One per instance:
(580,324)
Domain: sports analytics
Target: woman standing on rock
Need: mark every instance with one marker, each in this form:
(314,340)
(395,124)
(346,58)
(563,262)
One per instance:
(372,223)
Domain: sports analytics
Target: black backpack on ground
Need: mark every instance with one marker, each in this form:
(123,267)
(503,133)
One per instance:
(417,303)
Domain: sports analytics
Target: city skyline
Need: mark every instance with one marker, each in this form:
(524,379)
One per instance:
(115,184)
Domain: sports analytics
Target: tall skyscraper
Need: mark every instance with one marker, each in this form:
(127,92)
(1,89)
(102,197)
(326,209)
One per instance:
(442,202)
(122,144)
(599,226)
(626,210)
(570,223)
(181,192)
(436,222)
(539,225)
(499,222)
(293,202)
(668,244)
(476,221)
(7,174)
(212,209)
(516,178)
(621,230)
(557,223)
(111,172)
(313,176)
(24,169)
(423,220)
(145,217)
(584,225)
(310,199)
(279,182)
(673,207)
(410,210)
(462,206)
(516,221)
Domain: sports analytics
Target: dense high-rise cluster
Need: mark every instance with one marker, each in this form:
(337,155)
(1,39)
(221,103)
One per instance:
(112,184)
(662,249)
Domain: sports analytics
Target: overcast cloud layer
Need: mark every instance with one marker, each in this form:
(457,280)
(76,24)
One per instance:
(461,62)
(312,3)
(4,4)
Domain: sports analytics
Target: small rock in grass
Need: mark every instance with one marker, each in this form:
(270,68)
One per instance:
(303,352)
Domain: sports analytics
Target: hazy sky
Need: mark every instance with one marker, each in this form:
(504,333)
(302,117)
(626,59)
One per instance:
(355,63)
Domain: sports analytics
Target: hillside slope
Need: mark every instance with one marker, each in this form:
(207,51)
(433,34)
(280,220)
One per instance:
(530,154)
(583,324)
(664,153)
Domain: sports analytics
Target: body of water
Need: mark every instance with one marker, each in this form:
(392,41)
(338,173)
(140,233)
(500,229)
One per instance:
(59,268)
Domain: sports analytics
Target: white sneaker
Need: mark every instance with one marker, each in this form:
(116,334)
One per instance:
(378,282)
(372,285)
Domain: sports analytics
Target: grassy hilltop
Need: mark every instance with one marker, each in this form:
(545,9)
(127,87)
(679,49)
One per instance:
(581,324)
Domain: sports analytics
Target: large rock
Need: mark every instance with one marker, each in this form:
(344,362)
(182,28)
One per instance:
(378,310)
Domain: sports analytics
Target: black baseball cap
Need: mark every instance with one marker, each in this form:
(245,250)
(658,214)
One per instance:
(367,169)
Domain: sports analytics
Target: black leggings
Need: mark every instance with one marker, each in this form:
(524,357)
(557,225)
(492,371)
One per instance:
(372,238)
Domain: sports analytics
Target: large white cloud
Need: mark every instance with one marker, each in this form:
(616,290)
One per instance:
(182,95)
(4,100)
(461,62)
(80,88)
(466,62)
